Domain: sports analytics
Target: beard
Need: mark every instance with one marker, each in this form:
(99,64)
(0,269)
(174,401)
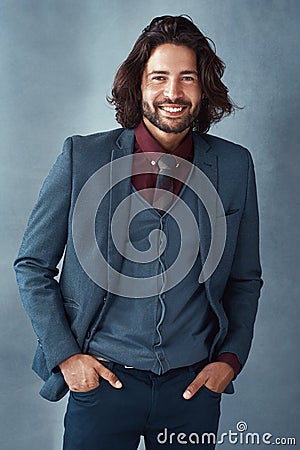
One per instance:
(175,125)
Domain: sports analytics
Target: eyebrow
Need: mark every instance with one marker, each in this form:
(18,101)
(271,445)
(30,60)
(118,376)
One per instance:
(165,72)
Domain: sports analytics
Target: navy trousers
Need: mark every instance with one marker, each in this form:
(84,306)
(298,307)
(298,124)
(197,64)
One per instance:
(148,404)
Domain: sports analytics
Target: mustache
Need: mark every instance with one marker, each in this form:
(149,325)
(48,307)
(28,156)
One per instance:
(177,101)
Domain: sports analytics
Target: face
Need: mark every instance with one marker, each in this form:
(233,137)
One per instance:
(171,94)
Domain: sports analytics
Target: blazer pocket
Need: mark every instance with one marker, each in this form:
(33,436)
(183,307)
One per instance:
(231,211)
(71,309)
(228,213)
(68,301)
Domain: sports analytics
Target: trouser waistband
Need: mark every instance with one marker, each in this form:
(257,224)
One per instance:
(111,365)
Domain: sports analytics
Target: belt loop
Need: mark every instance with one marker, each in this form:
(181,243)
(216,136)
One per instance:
(111,365)
(198,366)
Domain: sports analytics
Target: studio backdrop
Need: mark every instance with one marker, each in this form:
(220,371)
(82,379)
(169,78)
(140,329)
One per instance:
(58,60)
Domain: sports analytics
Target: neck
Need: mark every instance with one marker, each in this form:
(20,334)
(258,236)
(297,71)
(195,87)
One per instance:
(168,141)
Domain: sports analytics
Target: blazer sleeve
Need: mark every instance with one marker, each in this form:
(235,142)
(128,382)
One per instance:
(240,299)
(36,265)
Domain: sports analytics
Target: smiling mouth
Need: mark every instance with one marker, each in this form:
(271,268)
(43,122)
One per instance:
(172,109)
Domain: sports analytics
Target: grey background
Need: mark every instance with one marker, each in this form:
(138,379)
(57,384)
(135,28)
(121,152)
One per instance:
(58,60)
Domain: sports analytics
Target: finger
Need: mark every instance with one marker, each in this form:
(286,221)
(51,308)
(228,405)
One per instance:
(195,385)
(84,388)
(86,382)
(109,376)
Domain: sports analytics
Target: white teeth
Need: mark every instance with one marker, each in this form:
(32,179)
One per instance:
(172,109)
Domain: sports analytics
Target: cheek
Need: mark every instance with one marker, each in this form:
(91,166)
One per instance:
(151,95)
(196,102)
(195,95)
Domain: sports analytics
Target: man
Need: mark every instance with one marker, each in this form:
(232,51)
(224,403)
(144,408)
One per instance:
(151,358)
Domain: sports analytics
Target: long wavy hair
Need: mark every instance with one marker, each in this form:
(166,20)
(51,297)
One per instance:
(126,93)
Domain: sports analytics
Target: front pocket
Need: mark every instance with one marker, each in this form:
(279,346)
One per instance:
(213,393)
(86,393)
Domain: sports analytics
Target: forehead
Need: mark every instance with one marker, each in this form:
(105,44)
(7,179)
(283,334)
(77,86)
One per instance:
(171,56)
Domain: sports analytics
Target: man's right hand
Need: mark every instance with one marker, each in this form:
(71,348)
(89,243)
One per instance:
(82,373)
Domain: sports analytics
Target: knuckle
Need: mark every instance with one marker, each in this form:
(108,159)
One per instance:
(111,377)
(73,387)
(192,387)
(196,384)
(107,374)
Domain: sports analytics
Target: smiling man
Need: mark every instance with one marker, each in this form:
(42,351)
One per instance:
(139,362)
(171,93)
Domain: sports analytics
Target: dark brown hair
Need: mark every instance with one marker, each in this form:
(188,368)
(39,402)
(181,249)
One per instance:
(178,30)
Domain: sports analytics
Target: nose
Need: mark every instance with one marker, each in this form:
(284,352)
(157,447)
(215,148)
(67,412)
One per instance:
(172,89)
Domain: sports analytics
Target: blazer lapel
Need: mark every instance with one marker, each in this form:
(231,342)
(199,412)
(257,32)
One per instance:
(206,161)
(119,191)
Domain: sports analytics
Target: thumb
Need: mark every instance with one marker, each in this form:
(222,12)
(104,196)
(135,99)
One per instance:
(109,376)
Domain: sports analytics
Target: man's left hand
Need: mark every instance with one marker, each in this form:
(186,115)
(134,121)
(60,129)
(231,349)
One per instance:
(215,376)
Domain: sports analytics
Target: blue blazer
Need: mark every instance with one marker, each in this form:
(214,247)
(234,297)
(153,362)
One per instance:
(64,312)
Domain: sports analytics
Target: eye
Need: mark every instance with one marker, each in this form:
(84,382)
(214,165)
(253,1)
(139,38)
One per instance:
(159,78)
(188,78)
